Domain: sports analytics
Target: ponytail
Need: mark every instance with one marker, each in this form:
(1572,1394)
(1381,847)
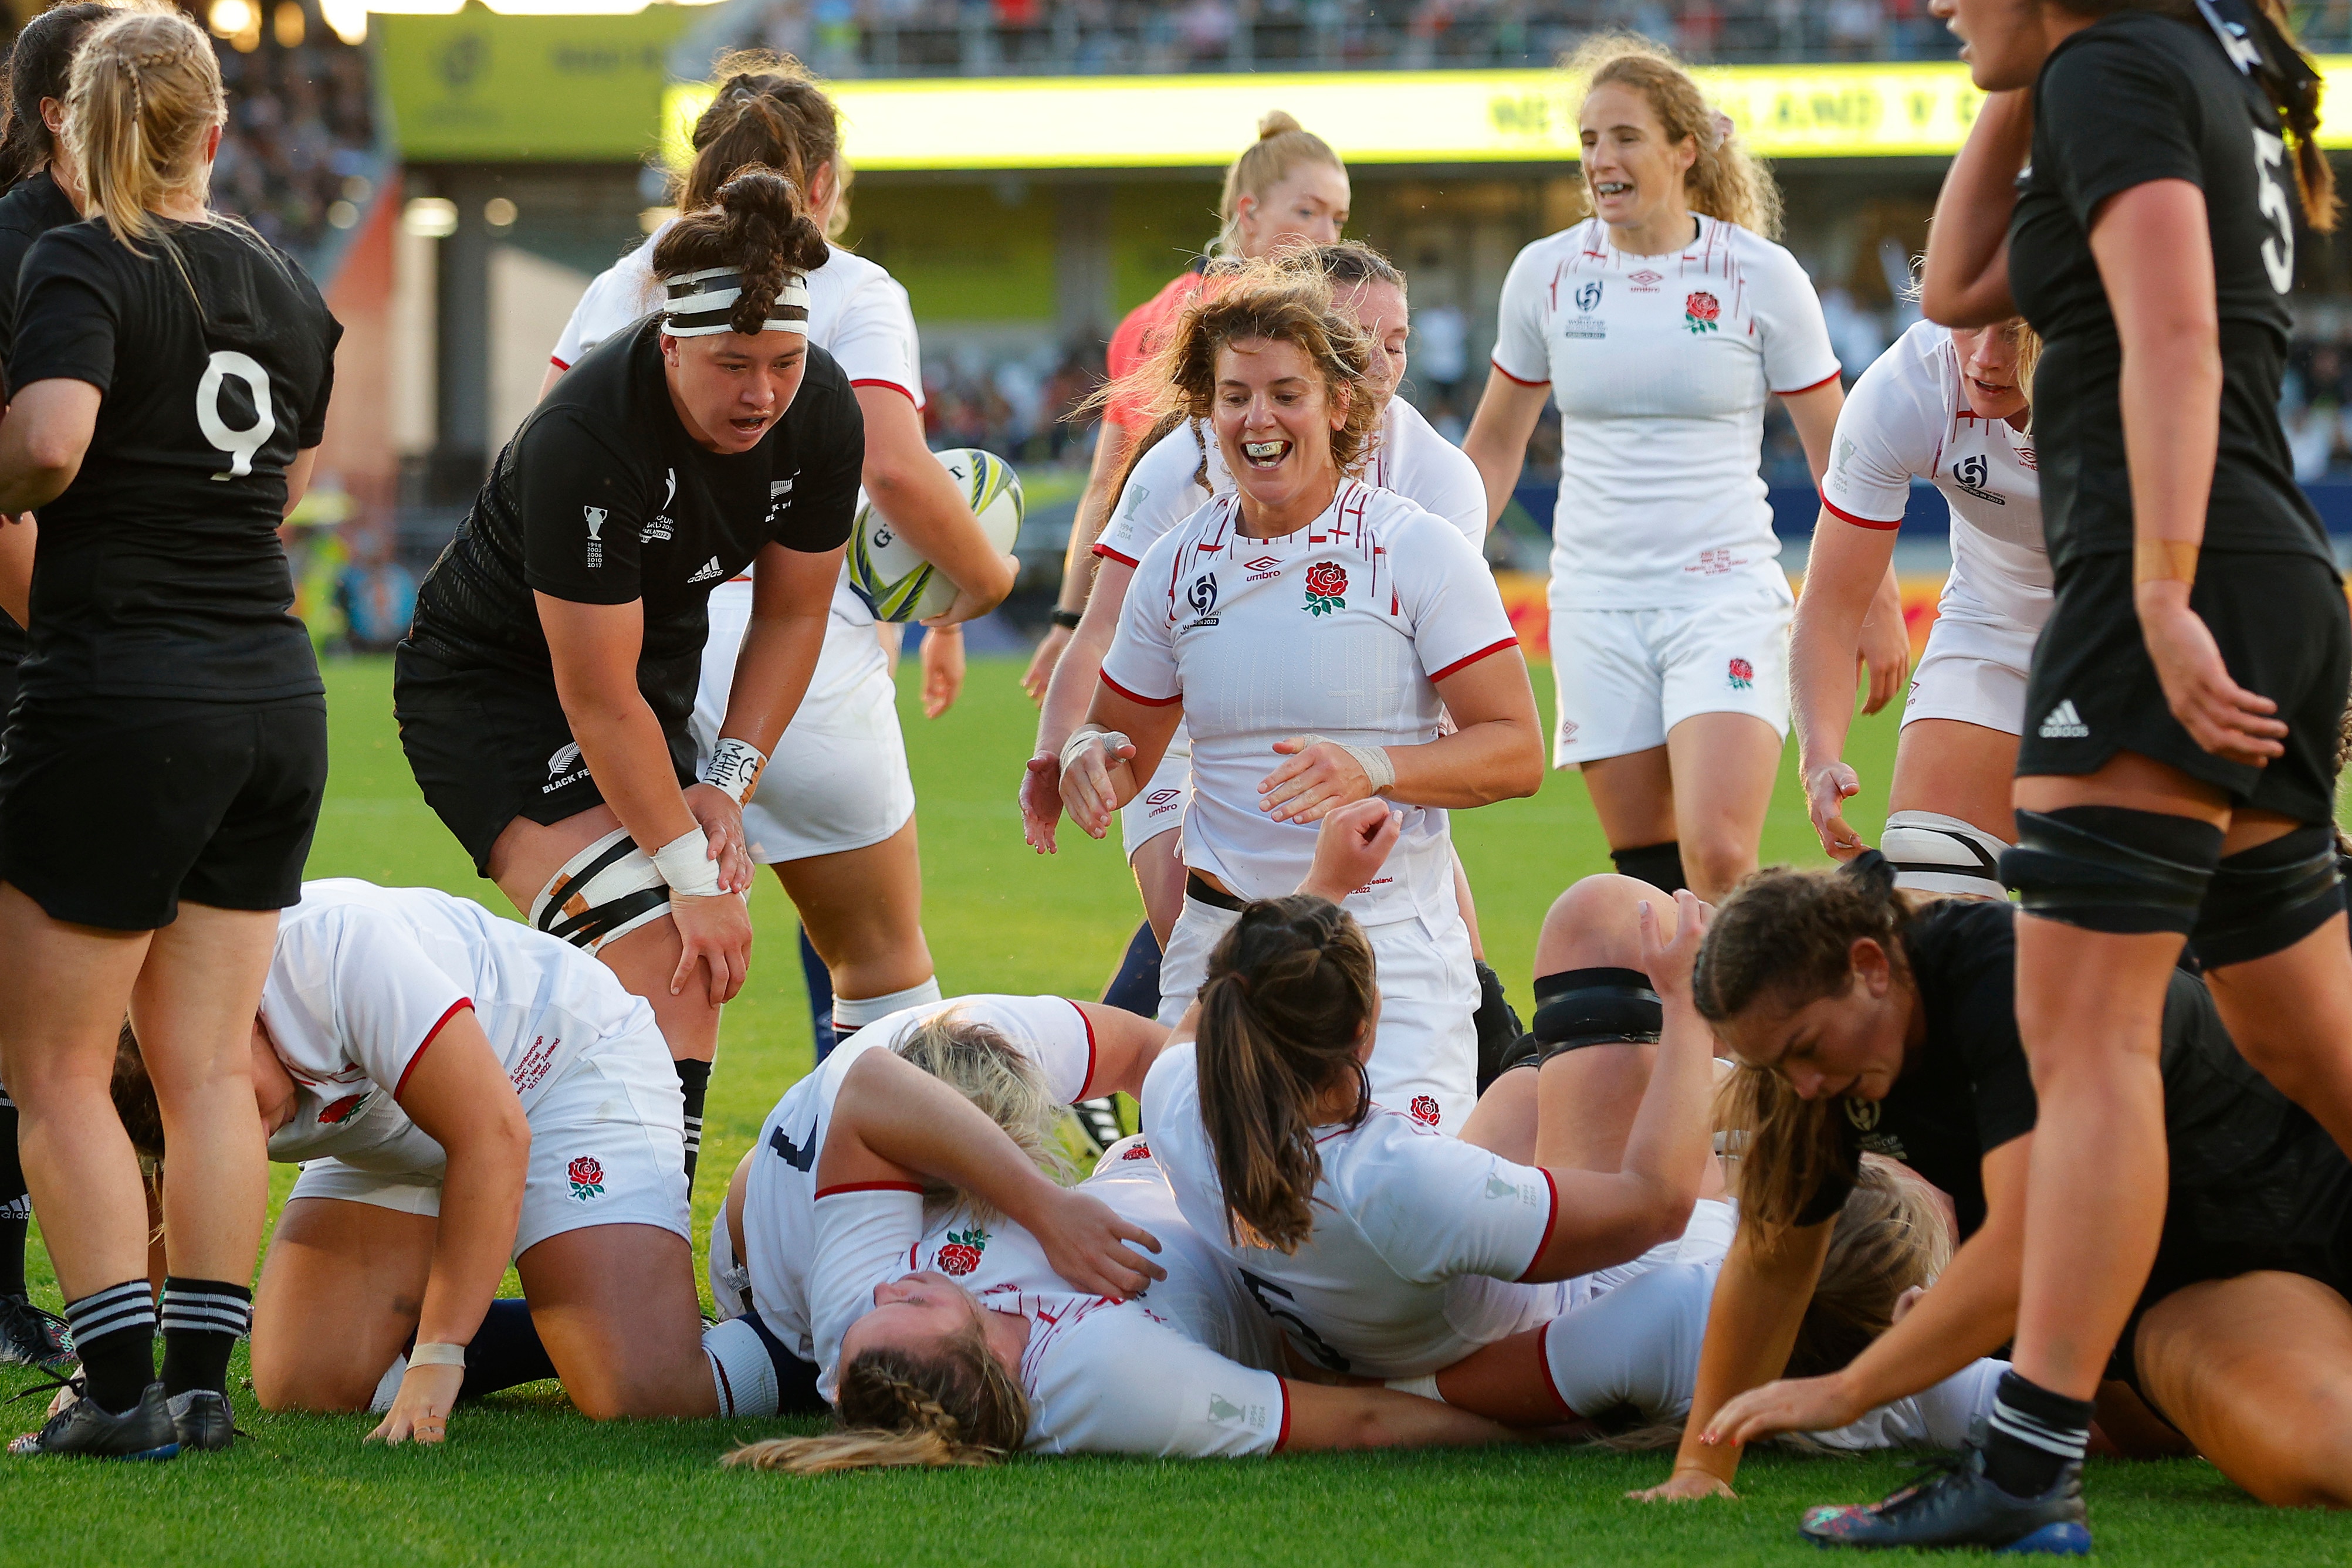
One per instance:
(1282,145)
(1725,181)
(1288,998)
(958,1409)
(757,229)
(39,66)
(145,93)
(770,111)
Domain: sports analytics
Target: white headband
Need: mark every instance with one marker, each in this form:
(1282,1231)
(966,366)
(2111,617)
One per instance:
(700,303)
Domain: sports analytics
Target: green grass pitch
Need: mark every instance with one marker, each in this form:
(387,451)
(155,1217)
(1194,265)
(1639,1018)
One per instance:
(524,1481)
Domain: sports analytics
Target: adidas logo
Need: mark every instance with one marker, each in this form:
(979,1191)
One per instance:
(711,569)
(2064,724)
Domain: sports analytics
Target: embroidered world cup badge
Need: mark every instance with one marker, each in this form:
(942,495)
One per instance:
(1742,675)
(962,1254)
(1327,588)
(1700,311)
(587,1178)
(1425,1111)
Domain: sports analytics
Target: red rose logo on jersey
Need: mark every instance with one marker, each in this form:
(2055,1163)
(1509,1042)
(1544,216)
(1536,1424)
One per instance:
(1138,1150)
(587,1178)
(1425,1111)
(1327,588)
(340,1110)
(1700,311)
(962,1254)
(1743,674)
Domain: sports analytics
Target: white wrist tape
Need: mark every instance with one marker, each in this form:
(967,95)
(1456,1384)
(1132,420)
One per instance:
(430,1355)
(734,766)
(1373,759)
(1110,739)
(686,864)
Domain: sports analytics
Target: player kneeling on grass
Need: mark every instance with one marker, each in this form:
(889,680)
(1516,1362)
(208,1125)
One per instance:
(461,1091)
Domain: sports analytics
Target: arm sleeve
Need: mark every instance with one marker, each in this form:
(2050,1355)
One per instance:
(1788,315)
(1113,1378)
(614,298)
(1886,434)
(824,494)
(1050,1030)
(1141,662)
(1450,486)
(389,999)
(1160,493)
(1520,351)
(2123,115)
(1998,1071)
(866,1234)
(1449,598)
(1434,1207)
(68,314)
(1638,1346)
(874,339)
(581,507)
(313,429)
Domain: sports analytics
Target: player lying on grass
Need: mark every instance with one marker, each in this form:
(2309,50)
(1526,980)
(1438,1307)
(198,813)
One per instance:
(460,1091)
(996,1343)
(1863,1022)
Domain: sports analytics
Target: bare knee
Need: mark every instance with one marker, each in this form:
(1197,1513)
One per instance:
(282,1382)
(1715,861)
(1596,925)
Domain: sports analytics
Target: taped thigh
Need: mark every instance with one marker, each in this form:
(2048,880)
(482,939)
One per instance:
(2266,899)
(603,892)
(2112,869)
(1576,1007)
(1935,853)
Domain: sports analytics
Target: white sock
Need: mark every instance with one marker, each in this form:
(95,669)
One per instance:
(1936,854)
(850,1014)
(740,1370)
(387,1387)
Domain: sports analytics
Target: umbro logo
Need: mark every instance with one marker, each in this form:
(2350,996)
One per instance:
(2064,724)
(1262,563)
(707,571)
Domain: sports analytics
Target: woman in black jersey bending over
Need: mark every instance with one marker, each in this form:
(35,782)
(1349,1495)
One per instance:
(2174,779)
(43,192)
(1869,1020)
(163,768)
(544,692)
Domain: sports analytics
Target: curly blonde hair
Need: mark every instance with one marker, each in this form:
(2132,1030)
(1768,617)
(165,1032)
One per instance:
(1725,181)
(995,1075)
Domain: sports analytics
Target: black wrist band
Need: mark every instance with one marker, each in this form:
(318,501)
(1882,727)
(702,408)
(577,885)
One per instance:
(1066,618)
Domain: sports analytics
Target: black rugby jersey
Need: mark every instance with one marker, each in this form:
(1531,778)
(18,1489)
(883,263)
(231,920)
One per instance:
(30,209)
(2136,97)
(602,497)
(159,572)
(2255,1182)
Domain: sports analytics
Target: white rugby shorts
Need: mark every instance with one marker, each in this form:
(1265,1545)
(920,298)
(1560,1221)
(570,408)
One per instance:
(607,1147)
(1425,1052)
(1973,669)
(1158,807)
(1625,677)
(838,780)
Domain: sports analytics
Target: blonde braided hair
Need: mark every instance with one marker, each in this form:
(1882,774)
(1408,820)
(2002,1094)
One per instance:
(957,1408)
(144,94)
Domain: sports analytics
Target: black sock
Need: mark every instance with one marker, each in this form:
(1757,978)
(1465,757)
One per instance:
(114,1335)
(15,1205)
(1136,987)
(1498,1024)
(505,1350)
(694,1077)
(819,982)
(203,1319)
(1660,865)
(2035,1435)
(796,1392)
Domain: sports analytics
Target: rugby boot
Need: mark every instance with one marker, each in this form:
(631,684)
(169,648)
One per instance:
(142,1432)
(31,1337)
(1958,1507)
(203,1420)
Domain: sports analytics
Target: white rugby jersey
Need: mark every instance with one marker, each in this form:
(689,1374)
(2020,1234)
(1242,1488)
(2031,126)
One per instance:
(1909,418)
(361,981)
(1187,1368)
(1661,366)
(1338,630)
(807,1308)
(1418,1244)
(1637,1348)
(1408,457)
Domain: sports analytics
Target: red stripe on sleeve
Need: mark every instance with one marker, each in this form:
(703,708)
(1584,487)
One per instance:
(824,1192)
(1282,1437)
(1834,510)
(1799,392)
(1108,553)
(1091,1056)
(461,1005)
(1550,1219)
(1521,379)
(1468,659)
(559,364)
(894,386)
(1138,697)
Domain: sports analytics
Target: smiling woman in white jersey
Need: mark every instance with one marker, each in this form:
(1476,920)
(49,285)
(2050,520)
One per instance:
(1948,406)
(167,752)
(834,813)
(1662,325)
(1308,628)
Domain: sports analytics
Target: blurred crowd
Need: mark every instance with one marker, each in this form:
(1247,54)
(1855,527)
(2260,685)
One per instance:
(298,158)
(1013,407)
(2315,404)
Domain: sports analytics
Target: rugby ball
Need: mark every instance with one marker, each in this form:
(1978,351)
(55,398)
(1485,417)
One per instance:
(892,577)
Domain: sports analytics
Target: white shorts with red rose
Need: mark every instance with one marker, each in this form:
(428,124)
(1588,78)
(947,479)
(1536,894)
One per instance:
(1425,1050)
(607,1147)
(1626,677)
